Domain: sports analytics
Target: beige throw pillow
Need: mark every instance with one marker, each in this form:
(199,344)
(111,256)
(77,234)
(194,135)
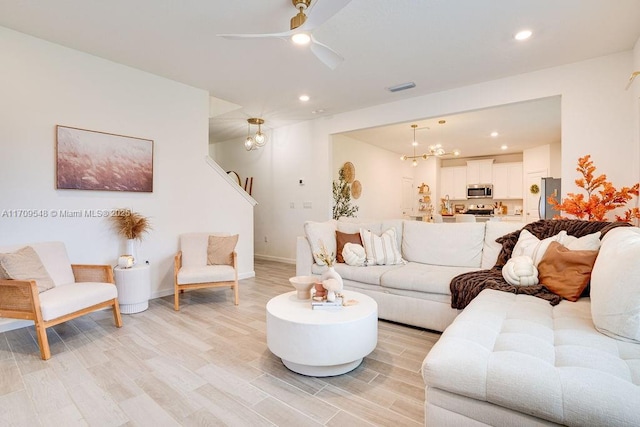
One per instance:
(25,264)
(220,249)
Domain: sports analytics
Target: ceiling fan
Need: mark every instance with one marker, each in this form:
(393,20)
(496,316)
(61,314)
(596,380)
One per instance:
(302,27)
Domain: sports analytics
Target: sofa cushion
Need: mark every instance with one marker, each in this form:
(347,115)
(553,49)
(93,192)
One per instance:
(25,264)
(220,249)
(519,352)
(615,285)
(423,277)
(457,244)
(205,274)
(565,272)
(382,249)
(53,256)
(344,238)
(319,234)
(69,298)
(371,274)
(494,230)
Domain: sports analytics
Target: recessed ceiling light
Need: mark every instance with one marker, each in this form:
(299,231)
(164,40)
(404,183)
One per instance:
(304,98)
(494,134)
(301,38)
(523,35)
(441,122)
(318,111)
(503,147)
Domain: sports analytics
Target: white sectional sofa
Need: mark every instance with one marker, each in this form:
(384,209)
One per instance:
(416,293)
(508,359)
(516,360)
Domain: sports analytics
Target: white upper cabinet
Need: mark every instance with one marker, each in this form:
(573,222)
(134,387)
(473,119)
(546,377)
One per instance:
(480,171)
(507,181)
(453,182)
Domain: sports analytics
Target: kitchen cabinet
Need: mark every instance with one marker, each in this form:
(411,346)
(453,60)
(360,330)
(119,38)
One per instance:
(507,180)
(453,182)
(480,171)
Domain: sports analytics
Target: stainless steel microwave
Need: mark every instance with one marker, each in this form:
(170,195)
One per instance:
(479,191)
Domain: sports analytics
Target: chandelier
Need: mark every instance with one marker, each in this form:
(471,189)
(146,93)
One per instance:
(434,150)
(259,139)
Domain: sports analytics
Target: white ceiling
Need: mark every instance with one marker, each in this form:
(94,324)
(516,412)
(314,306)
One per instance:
(438,44)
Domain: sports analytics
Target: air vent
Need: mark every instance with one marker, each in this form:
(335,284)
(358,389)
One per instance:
(402,86)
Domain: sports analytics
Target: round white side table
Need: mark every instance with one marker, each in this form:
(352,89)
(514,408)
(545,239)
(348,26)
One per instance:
(321,343)
(134,288)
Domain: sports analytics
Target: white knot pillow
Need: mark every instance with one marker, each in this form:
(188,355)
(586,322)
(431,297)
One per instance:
(354,254)
(520,271)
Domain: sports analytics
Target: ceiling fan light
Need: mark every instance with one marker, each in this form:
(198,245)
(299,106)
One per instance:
(301,38)
(404,157)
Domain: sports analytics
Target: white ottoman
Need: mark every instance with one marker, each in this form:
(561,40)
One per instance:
(321,343)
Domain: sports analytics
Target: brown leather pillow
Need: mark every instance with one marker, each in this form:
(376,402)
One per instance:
(342,239)
(565,272)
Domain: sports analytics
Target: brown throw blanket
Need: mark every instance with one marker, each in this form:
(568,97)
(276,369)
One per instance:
(466,287)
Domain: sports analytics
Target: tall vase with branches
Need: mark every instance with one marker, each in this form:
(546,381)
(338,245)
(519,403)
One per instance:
(132,226)
(342,197)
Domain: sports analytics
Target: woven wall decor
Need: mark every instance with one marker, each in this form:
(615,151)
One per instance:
(356,189)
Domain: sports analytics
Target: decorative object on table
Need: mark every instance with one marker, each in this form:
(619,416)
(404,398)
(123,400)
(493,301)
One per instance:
(303,285)
(342,192)
(320,292)
(92,160)
(132,226)
(126,261)
(333,285)
(601,197)
(337,303)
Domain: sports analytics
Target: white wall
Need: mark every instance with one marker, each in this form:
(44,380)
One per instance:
(598,117)
(43,85)
(379,171)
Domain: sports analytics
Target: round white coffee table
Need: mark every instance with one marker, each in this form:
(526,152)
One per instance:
(321,343)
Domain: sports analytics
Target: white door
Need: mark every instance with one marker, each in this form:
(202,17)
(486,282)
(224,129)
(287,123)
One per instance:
(532,200)
(407,196)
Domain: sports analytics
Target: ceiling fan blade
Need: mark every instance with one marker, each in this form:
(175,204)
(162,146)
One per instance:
(283,35)
(320,11)
(325,54)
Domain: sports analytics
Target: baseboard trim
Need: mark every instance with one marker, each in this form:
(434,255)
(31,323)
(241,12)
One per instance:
(274,258)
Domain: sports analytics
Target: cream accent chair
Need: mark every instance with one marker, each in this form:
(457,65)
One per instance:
(465,218)
(78,290)
(192,272)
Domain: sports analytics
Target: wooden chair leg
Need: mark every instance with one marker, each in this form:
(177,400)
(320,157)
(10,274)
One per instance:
(116,314)
(43,341)
(176,299)
(235,293)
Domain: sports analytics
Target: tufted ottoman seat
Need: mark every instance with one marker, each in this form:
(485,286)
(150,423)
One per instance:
(516,360)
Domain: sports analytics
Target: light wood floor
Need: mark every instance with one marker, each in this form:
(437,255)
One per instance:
(205,365)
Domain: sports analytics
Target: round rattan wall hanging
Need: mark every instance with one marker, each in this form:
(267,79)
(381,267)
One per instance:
(349,172)
(356,189)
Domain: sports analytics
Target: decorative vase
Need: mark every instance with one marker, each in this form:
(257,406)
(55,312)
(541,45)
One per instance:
(132,249)
(336,283)
(331,273)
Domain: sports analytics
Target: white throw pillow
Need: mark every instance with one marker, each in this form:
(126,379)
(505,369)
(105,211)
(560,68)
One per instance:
(354,254)
(520,271)
(321,233)
(529,245)
(383,249)
(615,285)
(590,242)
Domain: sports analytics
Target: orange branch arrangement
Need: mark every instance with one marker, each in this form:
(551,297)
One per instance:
(601,198)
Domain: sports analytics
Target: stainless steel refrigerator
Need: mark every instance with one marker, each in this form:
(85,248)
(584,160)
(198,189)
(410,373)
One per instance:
(549,187)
